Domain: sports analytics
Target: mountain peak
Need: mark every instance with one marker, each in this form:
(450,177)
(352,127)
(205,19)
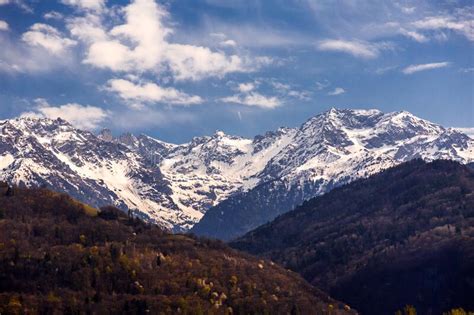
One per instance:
(219,133)
(106,135)
(33,120)
(176,184)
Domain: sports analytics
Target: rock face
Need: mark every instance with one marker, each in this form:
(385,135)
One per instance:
(235,183)
(402,237)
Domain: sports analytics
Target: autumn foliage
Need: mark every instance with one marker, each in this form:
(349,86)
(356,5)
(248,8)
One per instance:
(60,256)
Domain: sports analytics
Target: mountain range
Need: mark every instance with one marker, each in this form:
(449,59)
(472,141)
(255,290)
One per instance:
(228,184)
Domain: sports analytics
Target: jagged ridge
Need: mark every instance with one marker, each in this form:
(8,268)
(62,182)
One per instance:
(175,185)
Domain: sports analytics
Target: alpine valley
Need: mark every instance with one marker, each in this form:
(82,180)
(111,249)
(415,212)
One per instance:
(221,186)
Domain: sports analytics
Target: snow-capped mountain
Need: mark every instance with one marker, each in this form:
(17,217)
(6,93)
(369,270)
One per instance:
(51,153)
(175,185)
(329,150)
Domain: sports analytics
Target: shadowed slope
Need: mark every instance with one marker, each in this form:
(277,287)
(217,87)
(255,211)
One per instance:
(404,236)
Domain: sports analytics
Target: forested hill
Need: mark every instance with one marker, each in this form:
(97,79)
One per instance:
(404,236)
(60,256)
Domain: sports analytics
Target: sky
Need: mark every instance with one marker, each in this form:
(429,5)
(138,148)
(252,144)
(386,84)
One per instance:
(175,69)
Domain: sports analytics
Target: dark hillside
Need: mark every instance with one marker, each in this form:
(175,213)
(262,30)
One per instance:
(404,236)
(59,256)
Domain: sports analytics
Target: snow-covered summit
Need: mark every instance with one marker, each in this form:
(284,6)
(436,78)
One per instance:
(175,185)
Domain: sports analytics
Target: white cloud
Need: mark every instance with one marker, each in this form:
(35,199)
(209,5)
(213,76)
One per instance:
(301,95)
(4,26)
(372,20)
(246,87)
(195,62)
(337,91)
(423,67)
(83,117)
(228,43)
(151,92)
(253,99)
(94,5)
(416,36)
(141,44)
(47,37)
(19,3)
(248,95)
(287,90)
(18,57)
(358,49)
(53,15)
(87,29)
(461,22)
(438,22)
(281,86)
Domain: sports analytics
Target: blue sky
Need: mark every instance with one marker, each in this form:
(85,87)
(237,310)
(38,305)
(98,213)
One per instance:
(178,69)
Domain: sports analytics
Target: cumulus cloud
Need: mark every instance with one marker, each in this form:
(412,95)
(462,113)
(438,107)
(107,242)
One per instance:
(36,50)
(358,49)
(246,87)
(47,37)
(142,44)
(87,29)
(19,57)
(83,117)
(337,91)
(194,62)
(424,67)
(253,99)
(4,26)
(150,92)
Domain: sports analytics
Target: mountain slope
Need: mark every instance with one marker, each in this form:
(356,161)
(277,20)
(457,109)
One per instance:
(52,153)
(403,236)
(60,256)
(175,185)
(327,151)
